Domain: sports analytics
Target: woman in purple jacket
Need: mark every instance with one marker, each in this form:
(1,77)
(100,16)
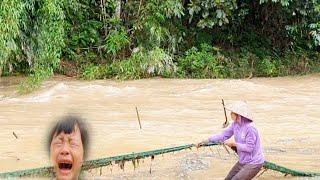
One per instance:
(247,142)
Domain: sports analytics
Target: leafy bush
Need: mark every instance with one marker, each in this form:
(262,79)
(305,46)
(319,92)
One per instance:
(203,63)
(267,67)
(34,81)
(115,41)
(142,64)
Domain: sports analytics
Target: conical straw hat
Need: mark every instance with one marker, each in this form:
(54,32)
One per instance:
(241,108)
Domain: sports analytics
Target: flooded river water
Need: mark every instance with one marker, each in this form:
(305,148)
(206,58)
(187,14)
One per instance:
(173,112)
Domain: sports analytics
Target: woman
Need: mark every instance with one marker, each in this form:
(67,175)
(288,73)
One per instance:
(247,142)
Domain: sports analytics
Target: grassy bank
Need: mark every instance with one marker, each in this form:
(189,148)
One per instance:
(204,62)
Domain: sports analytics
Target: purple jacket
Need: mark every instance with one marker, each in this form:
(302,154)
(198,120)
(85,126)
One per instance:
(247,139)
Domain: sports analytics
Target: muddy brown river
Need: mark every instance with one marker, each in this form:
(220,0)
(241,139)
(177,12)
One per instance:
(173,112)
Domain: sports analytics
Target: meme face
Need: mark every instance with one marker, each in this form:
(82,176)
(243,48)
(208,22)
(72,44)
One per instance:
(67,154)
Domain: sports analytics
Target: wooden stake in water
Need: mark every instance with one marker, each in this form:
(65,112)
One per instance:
(138,117)
(226,123)
(15,135)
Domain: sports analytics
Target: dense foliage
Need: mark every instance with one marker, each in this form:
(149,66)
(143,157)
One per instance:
(171,38)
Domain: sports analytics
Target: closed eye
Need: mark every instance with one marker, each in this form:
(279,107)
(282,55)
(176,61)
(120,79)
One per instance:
(58,141)
(74,143)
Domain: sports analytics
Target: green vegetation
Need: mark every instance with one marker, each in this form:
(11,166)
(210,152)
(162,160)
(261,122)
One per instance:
(141,64)
(145,38)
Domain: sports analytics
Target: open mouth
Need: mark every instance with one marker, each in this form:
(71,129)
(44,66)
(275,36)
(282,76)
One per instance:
(65,166)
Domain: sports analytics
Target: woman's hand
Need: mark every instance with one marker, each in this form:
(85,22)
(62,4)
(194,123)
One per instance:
(230,143)
(202,143)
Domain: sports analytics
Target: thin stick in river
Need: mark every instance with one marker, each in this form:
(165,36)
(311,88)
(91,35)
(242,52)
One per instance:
(15,135)
(138,117)
(226,123)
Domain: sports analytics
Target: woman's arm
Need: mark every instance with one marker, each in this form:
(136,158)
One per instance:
(226,134)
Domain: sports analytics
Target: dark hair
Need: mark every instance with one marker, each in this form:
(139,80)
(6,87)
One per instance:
(67,124)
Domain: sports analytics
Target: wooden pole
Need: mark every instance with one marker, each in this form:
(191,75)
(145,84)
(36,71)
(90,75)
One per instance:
(225,124)
(15,135)
(138,117)
(225,147)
